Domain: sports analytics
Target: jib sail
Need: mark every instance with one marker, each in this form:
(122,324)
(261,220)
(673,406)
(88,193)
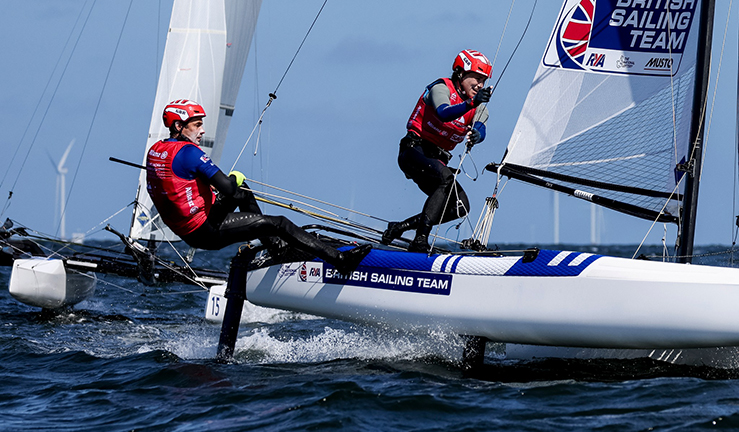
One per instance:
(608,114)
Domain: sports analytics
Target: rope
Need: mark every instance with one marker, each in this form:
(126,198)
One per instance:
(273,95)
(484,224)
(97,107)
(463,157)
(452,191)
(505,26)
(301,46)
(526,29)
(48,106)
(317,200)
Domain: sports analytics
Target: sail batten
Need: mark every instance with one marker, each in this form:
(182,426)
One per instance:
(617,112)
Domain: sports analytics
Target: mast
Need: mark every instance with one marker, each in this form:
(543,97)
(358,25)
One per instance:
(686,233)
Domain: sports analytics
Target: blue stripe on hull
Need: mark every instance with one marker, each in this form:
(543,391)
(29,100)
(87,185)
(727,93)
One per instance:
(547,262)
(399,260)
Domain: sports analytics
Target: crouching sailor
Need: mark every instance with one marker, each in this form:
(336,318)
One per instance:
(450,110)
(179,178)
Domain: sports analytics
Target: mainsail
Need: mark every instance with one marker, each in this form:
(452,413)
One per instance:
(204,59)
(609,112)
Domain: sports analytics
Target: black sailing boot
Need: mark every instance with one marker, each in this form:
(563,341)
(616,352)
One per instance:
(345,262)
(421,242)
(275,246)
(349,260)
(396,229)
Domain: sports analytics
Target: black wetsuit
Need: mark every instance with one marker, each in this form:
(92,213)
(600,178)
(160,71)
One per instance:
(223,226)
(424,163)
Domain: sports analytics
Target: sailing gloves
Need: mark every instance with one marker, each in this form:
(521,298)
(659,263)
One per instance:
(238,176)
(483,96)
(474,137)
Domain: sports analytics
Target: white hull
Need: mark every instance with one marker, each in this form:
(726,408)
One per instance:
(45,283)
(560,299)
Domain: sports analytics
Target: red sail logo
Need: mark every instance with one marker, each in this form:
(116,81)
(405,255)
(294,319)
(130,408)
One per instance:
(576,30)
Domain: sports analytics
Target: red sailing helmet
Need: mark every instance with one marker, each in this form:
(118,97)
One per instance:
(473,61)
(182,110)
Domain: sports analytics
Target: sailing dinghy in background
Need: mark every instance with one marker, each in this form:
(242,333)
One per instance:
(206,50)
(630,154)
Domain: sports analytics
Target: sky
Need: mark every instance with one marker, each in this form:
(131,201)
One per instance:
(334,129)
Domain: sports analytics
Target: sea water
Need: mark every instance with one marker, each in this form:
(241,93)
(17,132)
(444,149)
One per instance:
(142,358)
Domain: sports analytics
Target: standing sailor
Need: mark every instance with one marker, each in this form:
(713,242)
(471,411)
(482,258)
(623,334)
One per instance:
(449,111)
(180,178)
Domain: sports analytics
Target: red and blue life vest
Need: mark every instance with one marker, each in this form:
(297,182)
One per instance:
(426,123)
(183,204)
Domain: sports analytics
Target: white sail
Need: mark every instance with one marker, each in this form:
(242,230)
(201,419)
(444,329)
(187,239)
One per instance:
(207,45)
(611,100)
(241,21)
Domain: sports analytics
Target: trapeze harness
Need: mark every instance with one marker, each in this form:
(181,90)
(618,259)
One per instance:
(425,152)
(183,204)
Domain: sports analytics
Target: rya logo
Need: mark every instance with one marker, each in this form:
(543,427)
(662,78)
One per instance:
(596,60)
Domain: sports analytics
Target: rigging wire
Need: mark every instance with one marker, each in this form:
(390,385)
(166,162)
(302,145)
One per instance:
(273,95)
(735,177)
(715,89)
(97,107)
(48,106)
(525,30)
(486,217)
(182,259)
(317,200)
(66,245)
(704,110)
(329,218)
(300,47)
(505,26)
(736,163)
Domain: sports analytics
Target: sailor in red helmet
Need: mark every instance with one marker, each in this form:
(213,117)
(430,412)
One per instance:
(180,178)
(449,111)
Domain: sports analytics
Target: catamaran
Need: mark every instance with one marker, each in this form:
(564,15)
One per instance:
(639,154)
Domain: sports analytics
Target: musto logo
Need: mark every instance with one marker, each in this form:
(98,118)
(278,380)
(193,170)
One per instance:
(642,37)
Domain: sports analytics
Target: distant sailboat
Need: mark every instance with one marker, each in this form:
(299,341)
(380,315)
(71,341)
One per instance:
(207,45)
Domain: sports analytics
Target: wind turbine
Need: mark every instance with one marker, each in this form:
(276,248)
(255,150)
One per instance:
(61,199)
